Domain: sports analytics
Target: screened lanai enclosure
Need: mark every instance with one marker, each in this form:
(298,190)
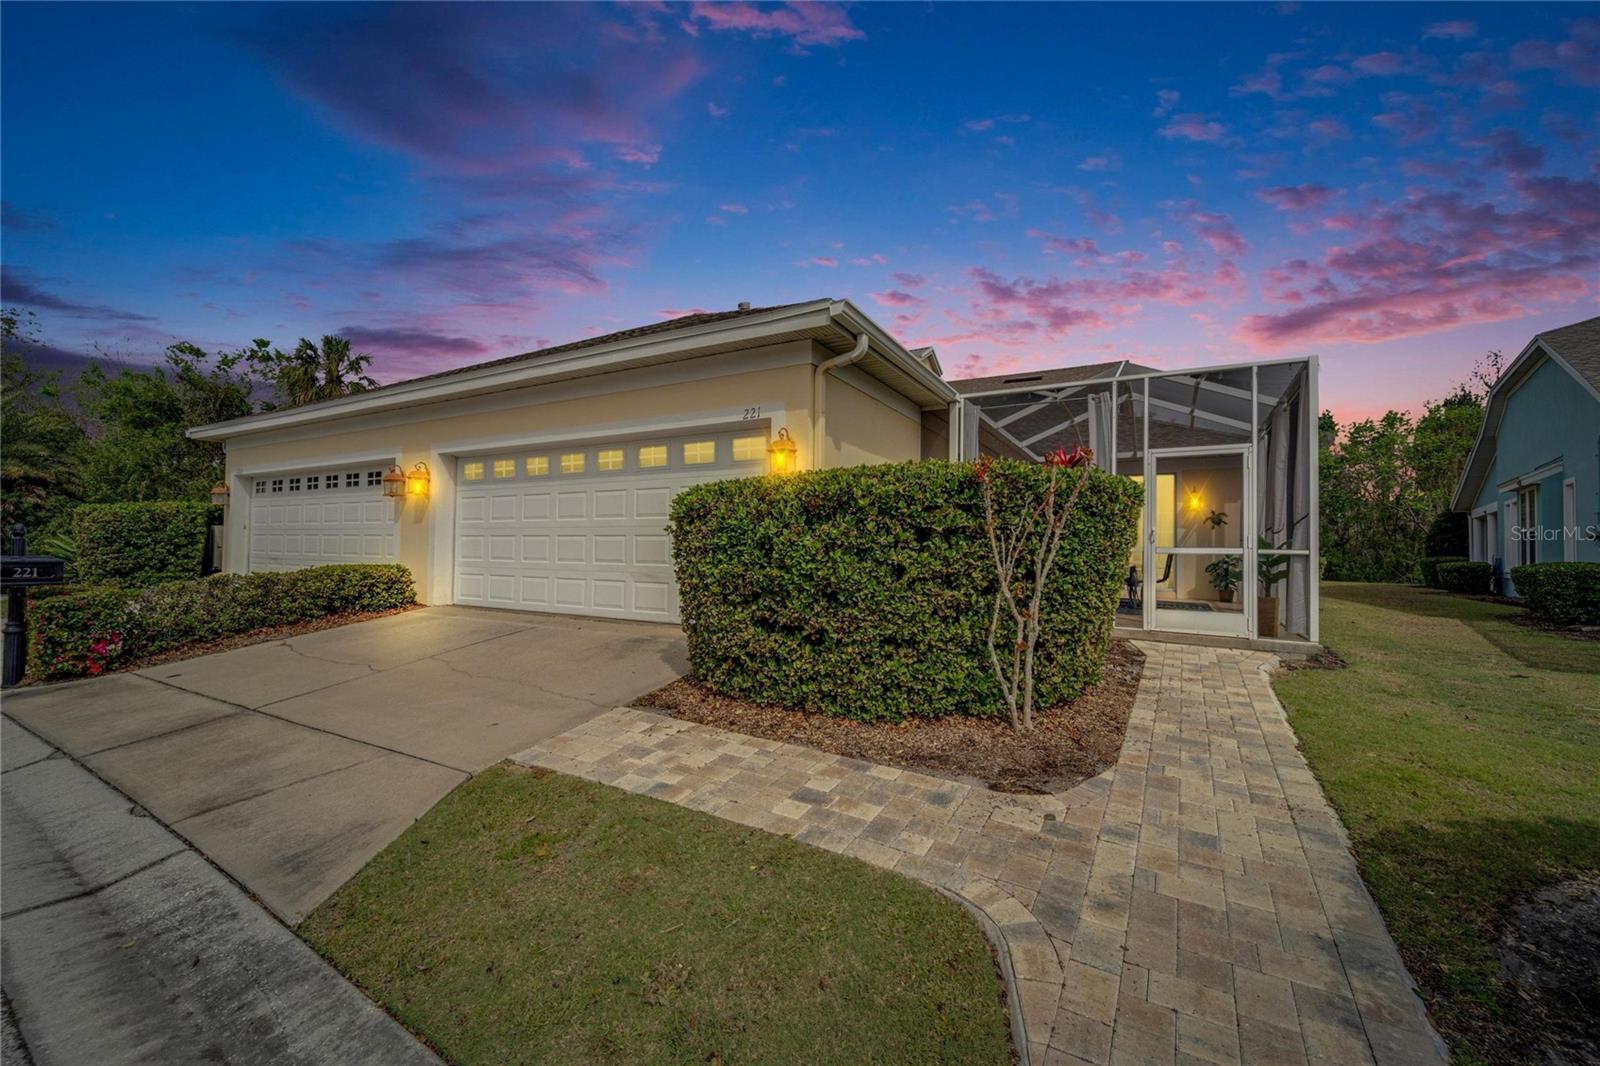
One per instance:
(1228,457)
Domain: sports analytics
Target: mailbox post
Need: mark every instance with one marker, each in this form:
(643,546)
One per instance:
(19,572)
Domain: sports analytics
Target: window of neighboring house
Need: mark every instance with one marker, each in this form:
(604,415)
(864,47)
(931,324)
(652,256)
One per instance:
(608,459)
(505,468)
(537,465)
(652,456)
(1528,518)
(472,471)
(573,462)
(696,452)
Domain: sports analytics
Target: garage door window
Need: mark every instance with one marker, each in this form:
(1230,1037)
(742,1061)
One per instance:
(652,456)
(609,459)
(572,463)
(277,484)
(749,449)
(472,472)
(505,468)
(537,465)
(696,452)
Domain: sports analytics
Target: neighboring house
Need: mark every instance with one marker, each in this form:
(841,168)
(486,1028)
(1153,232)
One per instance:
(550,474)
(1531,487)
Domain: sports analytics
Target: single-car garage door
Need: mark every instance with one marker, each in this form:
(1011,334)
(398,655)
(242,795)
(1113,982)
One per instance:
(582,529)
(332,514)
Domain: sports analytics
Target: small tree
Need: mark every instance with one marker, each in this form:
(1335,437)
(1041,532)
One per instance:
(1033,536)
(313,372)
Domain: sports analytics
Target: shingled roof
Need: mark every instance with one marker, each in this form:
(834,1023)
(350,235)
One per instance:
(1578,345)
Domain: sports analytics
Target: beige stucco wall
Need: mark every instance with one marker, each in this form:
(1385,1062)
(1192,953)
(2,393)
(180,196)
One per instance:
(715,390)
(860,428)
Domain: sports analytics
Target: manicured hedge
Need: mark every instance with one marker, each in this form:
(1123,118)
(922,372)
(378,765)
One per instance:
(1430,568)
(89,631)
(1474,578)
(1562,594)
(139,544)
(866,592)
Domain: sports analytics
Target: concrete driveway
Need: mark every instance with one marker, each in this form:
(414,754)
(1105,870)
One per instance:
(290,764)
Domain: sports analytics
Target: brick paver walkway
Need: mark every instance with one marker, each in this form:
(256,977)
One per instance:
(1196,903)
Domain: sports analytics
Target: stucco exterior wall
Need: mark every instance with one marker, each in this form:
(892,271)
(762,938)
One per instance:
(1549,418)
(862,429)
(769,386)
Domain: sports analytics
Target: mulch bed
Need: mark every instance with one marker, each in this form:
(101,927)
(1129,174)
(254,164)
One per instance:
(240,640)
(1068,744)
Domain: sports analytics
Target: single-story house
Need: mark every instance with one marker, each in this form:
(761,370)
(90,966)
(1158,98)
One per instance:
(542,481)
(1531,487)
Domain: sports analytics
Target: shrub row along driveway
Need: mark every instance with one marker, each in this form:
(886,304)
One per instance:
(292,763)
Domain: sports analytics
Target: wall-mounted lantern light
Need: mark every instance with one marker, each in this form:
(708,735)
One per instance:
(219,494)
(394,483)
(1197,502)
(417,481)
(782,452)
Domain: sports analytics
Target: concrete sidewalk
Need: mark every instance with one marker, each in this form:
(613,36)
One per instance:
(122,945)
(291,763)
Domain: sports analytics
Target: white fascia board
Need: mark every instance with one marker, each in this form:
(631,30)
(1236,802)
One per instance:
(855,322)
(751,329)
(1532,477)
(1475,471)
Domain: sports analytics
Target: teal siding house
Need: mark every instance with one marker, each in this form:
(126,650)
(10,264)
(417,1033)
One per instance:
(1531,488)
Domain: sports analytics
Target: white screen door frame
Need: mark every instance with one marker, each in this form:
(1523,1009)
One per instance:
(1248,536)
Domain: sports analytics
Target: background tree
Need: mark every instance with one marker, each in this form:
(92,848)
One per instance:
(41,439)
(1385,481)
(135,445)
(312,372)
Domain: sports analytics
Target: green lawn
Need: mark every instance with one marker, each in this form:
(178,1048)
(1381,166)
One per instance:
(1463,752)
(538,918)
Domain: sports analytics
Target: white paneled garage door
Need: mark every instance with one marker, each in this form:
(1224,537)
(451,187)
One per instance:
(582,529)
(334,514)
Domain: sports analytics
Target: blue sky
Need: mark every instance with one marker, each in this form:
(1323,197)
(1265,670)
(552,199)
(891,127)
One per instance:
(1394,187)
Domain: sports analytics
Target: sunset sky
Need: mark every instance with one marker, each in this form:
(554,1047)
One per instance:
(1396,188)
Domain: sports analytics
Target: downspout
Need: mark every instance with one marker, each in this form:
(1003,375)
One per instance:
(819,412)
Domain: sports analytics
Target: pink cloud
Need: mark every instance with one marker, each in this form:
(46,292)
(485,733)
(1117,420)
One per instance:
(1328,129)
(1194,127)
(1455,30)
(1217,230)
(1576,59)
(1436,262)
(735,209)
(897,298)
(825,260)
(1107,161)
(909,281)
(716,110)
(1297,197)
(647,154)
(681,312)
(1508,151)
(1166,100)
(803,23)
(1084,246)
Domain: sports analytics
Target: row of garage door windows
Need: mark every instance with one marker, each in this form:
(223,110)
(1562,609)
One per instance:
(648,457)
(313,482)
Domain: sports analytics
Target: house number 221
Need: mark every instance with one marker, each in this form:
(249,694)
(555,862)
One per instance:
(751,413)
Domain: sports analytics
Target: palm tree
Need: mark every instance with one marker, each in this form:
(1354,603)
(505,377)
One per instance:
(312,372)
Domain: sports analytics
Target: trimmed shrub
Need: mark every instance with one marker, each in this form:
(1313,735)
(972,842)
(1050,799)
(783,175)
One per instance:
(1473,578)
(1430,568)
(88,631)
(1561,594)
(1447,535)
(866,592)
(138,544)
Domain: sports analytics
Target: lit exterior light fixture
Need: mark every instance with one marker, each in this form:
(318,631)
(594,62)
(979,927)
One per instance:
(1196,503)
(782,452)
(219,494)
(394,483)
(417,481)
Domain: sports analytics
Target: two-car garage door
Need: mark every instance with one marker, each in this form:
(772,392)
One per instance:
(582,529)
